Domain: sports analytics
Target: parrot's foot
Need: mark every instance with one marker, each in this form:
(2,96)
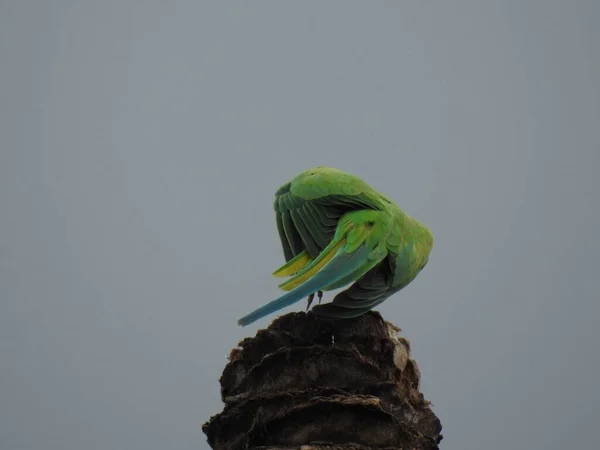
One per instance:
(311,297)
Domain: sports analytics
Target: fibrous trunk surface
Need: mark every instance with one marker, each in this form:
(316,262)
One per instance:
(308,383)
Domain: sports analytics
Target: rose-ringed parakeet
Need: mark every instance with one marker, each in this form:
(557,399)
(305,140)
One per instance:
(336,230)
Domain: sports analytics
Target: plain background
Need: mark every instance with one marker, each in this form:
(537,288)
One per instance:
(142,143)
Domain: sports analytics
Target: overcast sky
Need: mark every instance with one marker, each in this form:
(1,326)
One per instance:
(141,144)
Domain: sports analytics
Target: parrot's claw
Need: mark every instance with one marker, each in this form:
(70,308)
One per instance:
(311,297)
(310,300)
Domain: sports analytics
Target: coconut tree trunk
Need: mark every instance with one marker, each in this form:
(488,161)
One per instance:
(311,383)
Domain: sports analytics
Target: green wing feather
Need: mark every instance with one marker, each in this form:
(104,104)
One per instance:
(308,208)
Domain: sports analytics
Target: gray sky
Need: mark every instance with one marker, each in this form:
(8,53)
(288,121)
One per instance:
(141,144)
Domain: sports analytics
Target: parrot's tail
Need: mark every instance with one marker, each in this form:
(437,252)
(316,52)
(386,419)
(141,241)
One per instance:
(340,266)
(355,249)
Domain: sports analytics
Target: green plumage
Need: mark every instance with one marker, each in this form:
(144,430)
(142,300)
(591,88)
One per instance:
(325,214)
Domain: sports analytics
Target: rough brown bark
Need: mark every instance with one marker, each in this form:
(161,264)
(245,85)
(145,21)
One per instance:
(312,383)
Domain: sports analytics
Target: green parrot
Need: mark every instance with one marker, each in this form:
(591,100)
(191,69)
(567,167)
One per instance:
(335,229)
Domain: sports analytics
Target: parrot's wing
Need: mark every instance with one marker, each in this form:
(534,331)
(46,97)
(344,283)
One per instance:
(308,208)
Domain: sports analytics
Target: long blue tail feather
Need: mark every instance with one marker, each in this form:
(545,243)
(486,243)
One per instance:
(340,266)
